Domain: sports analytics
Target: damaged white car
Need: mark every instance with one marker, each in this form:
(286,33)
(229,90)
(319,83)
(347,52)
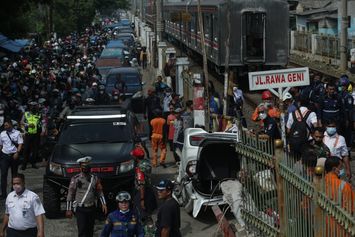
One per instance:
(207,160)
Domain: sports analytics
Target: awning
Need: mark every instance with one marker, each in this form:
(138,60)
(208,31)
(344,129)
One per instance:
(13,46)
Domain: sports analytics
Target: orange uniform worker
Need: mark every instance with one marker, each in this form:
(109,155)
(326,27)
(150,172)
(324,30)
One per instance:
(273,112)
(338,191)
(158,124)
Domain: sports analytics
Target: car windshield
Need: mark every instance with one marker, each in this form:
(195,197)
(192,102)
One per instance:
(111,53)
(106,132)
(128,78)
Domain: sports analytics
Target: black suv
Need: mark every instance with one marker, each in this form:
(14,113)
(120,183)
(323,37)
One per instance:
(107,134)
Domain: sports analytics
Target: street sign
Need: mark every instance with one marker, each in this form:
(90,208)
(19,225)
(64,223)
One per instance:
(278,78)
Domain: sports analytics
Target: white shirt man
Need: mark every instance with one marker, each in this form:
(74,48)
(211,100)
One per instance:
(11,142)
(8,139)
(336,144)
(311,120)
(23,211)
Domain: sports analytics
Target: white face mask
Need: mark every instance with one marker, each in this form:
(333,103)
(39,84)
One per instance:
(262,115)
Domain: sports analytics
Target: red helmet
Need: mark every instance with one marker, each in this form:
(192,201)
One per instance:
(266,95)
(138,153)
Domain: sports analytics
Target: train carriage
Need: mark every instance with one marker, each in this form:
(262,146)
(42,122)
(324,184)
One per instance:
(258,34)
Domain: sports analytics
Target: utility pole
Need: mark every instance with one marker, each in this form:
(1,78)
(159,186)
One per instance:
(226,62)
(205,69)
(344,36)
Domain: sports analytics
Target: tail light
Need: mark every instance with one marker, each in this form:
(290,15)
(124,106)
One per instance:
(195,140)
(191,167)
(73,170)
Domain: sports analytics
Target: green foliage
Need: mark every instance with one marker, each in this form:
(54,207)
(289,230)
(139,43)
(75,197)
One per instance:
(20,17)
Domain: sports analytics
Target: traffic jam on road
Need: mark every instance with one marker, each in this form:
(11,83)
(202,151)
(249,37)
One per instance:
(86,114)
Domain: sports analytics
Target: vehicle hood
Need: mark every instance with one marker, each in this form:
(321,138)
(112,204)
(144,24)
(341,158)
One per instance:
(100,153)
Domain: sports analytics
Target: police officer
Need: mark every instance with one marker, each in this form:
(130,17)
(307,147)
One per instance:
(32,125)
(347,110)
(83,190)
(123,222)
(330,105)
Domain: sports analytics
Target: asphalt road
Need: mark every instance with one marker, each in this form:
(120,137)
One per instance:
(205,225)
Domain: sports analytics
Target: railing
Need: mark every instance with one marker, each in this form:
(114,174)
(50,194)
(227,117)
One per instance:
(320,45)
(283,197)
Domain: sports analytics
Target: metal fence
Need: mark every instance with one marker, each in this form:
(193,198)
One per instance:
(303,41)
(283,197)
(323,45)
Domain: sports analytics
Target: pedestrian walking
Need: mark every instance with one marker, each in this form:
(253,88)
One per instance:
(170,124)
(187,116)
(123,222)
(340,192)
(11,143)
(144,57)
(299,126)
(236,102)
(24,213)
(33,127)
(330,105)
(158,139)
(83,190)
(337,146)
(144,199)
(168,216)
(270,128)
(267,99)
(347,102)
(151,103)
(178,139)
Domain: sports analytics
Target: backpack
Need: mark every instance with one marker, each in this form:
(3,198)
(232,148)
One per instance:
(299,131)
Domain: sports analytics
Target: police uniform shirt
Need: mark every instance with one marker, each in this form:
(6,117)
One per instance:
(9,147)
(23,209)
(336,145)
(79,184)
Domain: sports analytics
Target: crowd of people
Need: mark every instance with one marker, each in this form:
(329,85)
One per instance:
(38,88)
(319,122)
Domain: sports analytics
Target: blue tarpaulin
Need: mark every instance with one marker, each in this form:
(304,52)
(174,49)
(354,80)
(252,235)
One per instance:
(13,46)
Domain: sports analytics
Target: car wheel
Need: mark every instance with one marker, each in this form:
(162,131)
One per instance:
(51,200)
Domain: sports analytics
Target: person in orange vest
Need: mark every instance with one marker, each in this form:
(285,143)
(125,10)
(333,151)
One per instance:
(339,191)
(158,141)
(273,112)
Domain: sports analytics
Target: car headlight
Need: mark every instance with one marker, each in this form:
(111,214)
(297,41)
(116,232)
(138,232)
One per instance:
(126,166)
(55,168)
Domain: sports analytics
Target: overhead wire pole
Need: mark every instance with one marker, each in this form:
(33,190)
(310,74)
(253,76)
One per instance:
(344,36)
(205,69)
(226,62)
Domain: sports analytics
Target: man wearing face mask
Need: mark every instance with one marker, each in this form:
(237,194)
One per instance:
(337,146)
(270,126)
(11,143)
(83,190)
(32,125)
(23,212)
(273,112)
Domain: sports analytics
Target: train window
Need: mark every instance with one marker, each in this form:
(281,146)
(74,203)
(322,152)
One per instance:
(254,35)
